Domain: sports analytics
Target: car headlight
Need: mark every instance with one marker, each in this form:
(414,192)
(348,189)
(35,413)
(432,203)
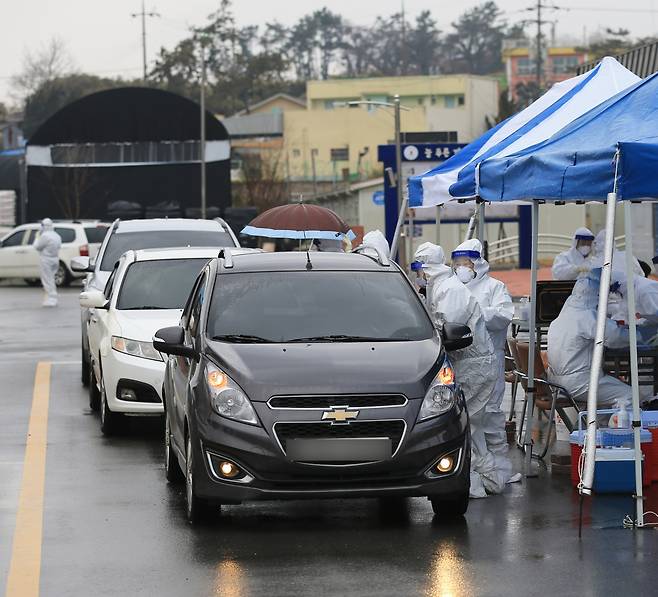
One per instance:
(440,397)
(226,397)
(135,348)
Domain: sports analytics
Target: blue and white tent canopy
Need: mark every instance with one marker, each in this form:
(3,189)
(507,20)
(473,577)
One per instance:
(580,161)
(561,105)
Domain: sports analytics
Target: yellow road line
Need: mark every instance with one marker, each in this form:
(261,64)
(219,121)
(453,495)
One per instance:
(25,567)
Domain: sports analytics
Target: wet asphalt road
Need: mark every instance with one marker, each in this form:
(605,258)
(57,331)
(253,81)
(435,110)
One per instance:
(112,526)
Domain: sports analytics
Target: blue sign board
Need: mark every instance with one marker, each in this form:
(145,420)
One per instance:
(378,197)
(411,152)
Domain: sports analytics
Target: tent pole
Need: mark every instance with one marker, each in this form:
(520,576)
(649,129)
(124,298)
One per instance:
(438,225)
(481,224)
(632,329)
(597,355)
(398,226)
(532,349)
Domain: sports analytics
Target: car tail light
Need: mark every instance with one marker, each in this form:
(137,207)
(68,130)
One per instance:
(84,250)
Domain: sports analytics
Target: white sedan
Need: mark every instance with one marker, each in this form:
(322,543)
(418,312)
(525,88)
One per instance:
(146,291)
(19,258)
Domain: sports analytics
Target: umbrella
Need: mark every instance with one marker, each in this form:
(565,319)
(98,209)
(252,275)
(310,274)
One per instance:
(299,220)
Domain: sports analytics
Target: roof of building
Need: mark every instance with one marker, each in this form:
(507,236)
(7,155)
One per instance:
(255,125)
(277,96)
(642,60)
(127,114)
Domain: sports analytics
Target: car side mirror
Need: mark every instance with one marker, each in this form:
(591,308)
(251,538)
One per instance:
(171,340)
(456,336)
(94,299)
(82,264)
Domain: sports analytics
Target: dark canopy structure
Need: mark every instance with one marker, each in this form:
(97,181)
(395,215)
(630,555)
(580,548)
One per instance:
(127,152)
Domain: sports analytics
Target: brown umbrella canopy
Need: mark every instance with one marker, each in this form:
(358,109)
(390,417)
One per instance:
(298,220)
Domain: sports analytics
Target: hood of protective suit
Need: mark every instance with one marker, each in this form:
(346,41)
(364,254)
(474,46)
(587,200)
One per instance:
(433,259)
(47,224)
(376,239)
(582,233)
(472,249)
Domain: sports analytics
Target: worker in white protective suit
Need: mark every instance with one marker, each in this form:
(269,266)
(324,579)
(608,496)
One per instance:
(448,300)
(498,310)
(376,239)
(577,260)
(47,245)
(618,257)
(571,345)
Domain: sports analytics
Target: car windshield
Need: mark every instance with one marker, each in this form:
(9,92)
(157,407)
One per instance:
(316,306)
(95,234)
(160,284)
(119,243)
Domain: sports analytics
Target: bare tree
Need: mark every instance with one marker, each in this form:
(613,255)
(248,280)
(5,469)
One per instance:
(49,62)
(263,185)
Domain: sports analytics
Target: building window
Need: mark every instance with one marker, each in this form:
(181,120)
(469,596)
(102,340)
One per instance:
(563,65)
(420,101)
(329,104)
(525,66)
(452,101)
(433,100)
(461,100)
(296,153)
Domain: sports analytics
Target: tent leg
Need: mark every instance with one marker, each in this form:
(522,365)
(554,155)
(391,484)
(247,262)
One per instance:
(398,226)
(481,223)
(532,324)
(597,355)
(438,225)
(632,329)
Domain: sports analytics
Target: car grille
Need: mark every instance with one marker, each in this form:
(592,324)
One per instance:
(364,429)
(322,402)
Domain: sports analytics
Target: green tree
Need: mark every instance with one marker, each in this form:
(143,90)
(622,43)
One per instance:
(424,45)
(475,44)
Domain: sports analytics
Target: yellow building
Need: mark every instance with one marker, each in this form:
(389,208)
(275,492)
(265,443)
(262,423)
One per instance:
(340,142)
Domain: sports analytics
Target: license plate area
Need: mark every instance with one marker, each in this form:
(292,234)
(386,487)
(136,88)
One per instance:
(361,449)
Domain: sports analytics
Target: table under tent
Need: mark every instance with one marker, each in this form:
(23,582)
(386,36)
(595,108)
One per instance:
(605,153)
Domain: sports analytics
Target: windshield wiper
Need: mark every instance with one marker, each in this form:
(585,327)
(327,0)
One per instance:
(142,308)
(241,339)
(344,338)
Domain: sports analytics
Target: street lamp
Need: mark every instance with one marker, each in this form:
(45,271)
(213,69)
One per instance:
(402,198)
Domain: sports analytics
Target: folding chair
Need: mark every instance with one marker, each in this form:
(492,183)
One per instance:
(549,396)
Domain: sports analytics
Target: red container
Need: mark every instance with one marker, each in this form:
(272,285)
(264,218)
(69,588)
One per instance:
(649,450)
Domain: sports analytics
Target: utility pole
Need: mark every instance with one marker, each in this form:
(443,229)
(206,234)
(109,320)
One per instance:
(202,140)
(143,14)
(539,22)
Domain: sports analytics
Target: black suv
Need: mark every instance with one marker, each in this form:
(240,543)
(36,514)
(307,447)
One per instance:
(306,375)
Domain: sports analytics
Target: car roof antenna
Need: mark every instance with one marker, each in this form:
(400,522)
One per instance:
(309,265)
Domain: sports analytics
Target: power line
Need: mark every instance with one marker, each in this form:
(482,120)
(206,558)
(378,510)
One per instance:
(143,14)
(539,21)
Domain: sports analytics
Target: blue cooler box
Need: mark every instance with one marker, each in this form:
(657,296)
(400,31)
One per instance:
(614,470)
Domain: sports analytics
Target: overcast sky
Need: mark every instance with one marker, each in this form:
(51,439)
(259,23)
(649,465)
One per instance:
(103,39)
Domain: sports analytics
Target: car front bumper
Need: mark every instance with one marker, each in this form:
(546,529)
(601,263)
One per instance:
(272,475)
(118,366)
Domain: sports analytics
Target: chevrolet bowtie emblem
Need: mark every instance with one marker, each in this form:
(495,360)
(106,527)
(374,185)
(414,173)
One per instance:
(339,414)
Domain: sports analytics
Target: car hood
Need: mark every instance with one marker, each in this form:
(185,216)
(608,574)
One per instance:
(142,325)
(265,370)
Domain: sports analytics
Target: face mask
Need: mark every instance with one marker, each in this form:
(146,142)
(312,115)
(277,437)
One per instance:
(465,274)
(584,250)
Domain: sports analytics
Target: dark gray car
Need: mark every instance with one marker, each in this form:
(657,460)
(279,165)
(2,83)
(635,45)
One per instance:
(296,375)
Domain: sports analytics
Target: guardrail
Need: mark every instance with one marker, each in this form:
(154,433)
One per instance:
(506,250)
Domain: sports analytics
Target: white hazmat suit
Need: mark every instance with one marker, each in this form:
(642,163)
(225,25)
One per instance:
(376,239)
(448,300)
(618,257)
(47,245)
(498,310)
(571,345)
(571,263)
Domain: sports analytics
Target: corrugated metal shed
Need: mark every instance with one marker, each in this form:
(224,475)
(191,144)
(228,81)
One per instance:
(255,125)
(643,60)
